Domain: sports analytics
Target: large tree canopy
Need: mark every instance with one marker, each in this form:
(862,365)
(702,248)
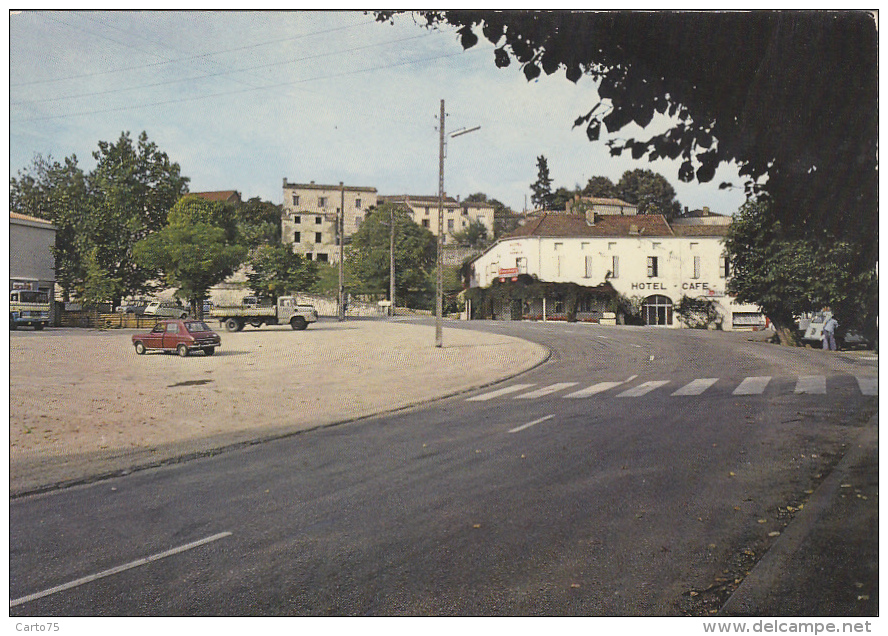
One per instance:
(790,96)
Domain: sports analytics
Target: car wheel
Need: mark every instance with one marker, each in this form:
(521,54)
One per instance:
(231,324)
(38,326)
(298,323)
(256,323)
(140,348)
(182,350)
(209,351)
(184,315)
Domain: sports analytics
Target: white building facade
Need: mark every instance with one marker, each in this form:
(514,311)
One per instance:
(643,258)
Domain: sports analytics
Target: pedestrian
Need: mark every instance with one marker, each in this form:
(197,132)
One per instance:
(829,331)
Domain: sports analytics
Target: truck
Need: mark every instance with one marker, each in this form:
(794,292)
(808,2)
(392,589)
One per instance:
(28,308)
(287,310)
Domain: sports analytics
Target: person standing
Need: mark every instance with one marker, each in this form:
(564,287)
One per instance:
(829,332)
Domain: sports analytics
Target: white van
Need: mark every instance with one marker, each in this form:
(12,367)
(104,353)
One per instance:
(165,309)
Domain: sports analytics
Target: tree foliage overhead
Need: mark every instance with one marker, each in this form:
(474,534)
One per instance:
(790,96)
(650,191)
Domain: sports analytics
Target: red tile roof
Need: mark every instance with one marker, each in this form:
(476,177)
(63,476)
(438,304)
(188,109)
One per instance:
(218,195)
(575,225)
(25,217)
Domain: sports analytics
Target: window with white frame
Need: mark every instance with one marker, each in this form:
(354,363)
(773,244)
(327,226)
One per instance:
(295,199)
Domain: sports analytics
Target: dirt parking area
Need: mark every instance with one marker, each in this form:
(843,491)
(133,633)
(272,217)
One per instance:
(83,404)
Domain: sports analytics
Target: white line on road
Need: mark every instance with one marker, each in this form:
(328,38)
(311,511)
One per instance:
(592,390)
(643,389)
(811,384)
(868,386)
(546,390)
(529,424)
(752,386)
(499,392)
(696,387)
(118,569)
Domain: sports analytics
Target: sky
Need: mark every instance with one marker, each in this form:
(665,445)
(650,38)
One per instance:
(243,100)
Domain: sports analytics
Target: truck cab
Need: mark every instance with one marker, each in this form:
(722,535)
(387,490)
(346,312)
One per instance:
(28,308)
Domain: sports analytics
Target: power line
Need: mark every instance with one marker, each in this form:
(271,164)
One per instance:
(178,60)
(245,90)
(218,74)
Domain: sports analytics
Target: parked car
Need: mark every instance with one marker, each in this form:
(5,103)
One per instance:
(136,308)
(181,336)
(165,309)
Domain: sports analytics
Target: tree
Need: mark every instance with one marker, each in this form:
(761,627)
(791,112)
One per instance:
(367,258)
(790,96)
(650,191)
(259,222)
(195,250)
(542,187)
(788,276)
(276,270)
(98,286)
(600,187)
(56,192)
(474,234)
(129,192)
(560,198)
(504,219)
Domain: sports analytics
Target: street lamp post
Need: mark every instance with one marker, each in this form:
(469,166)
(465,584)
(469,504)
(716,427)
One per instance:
(439,292)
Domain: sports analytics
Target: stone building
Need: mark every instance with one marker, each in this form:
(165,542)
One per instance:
(457,214)
(310,215)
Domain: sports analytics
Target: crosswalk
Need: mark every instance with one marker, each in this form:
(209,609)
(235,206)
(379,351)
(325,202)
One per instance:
(757,385)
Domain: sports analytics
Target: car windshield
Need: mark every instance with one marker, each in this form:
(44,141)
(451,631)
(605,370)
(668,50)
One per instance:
(196,326)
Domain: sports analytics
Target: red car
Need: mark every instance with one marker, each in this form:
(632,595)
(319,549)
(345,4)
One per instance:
(181,336)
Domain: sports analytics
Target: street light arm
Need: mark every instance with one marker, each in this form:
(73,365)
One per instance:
(464,131)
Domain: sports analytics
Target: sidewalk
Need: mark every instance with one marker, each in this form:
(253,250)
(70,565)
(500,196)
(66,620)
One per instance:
(826,562)
(83,405)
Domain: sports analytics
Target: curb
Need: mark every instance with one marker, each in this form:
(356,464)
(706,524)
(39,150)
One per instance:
(759,586)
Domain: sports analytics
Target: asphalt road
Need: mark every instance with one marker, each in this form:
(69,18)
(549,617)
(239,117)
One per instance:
(654,492)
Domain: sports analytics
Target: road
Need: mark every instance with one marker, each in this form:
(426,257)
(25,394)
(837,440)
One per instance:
(638,472)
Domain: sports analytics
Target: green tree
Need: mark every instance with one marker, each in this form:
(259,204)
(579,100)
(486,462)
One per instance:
(504,218)
(601,187)
(474,234)
(56,192)
(561,196)
(367,258)
(259,222)
(542,187)
(276,270)
(130,191)
(98,286)
(650,191)
(196,249)
(787,276)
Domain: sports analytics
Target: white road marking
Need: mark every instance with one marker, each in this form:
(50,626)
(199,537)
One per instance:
(529,424)
(546,390)
(499,392)
(118,569)
(696,387)
(643,389)
(812,384)
(753,386)
(592,390)
(868,386)
(630,378)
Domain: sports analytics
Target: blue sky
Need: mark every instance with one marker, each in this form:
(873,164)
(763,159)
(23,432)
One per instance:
(243,100)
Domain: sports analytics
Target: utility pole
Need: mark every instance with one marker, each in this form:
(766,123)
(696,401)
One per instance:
(439,292)
(392,261)
(340,222)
